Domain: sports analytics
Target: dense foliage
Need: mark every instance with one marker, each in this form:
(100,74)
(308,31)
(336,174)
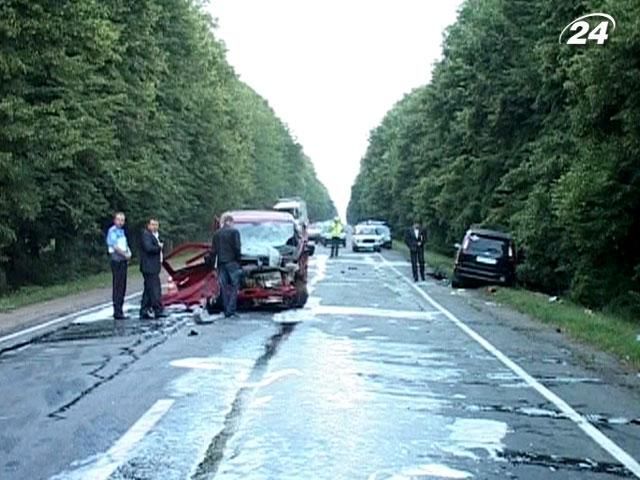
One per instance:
(517,130)
(126,105)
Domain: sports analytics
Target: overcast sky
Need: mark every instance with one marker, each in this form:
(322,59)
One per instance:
(331,69)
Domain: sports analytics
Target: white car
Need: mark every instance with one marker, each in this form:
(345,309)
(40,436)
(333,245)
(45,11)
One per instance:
(366,237)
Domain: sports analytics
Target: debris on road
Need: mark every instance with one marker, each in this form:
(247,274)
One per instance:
(437,274)
(201,317)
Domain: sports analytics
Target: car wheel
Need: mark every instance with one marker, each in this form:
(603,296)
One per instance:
(302,294)
(214,305)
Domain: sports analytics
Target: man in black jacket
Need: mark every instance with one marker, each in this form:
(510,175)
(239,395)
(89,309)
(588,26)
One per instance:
(150,264)
(226,254)
(415,238)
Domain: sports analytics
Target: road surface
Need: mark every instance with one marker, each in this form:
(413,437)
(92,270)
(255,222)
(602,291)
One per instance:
(377,378)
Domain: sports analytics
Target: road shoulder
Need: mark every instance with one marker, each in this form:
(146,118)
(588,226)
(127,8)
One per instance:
(22,324)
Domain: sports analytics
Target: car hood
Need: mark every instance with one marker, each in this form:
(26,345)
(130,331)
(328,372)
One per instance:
(269,255)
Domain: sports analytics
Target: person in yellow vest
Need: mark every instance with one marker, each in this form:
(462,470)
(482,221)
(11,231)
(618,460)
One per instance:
(336,233)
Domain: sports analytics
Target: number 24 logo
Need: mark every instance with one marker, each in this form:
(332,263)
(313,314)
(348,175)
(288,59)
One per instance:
(598,33)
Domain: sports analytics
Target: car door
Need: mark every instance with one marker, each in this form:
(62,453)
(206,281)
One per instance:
(192,279)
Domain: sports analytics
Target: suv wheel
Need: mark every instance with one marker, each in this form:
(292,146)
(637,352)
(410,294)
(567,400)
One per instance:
(457,282)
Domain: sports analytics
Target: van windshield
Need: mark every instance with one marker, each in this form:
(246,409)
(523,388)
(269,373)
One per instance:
(292,210)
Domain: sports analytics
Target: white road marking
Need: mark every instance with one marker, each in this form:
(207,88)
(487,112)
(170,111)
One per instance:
(208,363)
(320,263)
(64,318)
(274,377)
(362,330)
(431,470)
(471,434)
(373,312)
(596,435)
(107,463)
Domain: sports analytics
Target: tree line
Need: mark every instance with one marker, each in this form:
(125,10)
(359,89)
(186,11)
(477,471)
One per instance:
(517,130)
(127,105)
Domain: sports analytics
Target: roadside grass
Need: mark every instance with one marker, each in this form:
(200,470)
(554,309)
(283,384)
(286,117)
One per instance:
(35,294)
(608,332)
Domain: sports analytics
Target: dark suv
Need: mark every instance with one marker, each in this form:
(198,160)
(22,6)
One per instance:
(486,256)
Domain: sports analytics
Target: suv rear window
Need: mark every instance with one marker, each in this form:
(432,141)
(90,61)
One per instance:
(477,245)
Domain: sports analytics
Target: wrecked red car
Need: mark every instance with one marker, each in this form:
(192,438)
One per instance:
(275,255)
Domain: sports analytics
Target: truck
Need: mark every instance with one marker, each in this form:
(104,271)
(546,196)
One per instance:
(297,207)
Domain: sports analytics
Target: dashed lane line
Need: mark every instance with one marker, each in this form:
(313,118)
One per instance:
(107,463)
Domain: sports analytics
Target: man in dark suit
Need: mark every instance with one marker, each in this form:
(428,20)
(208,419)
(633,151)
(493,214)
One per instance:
(415,238)
(150,264)
(226,254)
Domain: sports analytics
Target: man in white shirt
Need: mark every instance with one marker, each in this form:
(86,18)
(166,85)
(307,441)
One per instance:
(120,254)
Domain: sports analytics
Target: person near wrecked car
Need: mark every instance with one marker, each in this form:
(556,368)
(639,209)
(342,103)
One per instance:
(150,266)
(335,232)
(415,238)
(226,254)
(119,254)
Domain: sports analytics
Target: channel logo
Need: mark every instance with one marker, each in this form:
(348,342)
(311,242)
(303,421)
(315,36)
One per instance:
(584,33)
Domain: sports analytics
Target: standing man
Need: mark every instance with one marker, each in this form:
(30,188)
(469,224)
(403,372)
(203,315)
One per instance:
(226,254)
(336,233)
(120,254)
(150,264)
(415,238)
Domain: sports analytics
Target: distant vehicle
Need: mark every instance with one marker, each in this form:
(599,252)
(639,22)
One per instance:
(383,229)
(326,234)
(385,233)
(297,207)
(366,237)
(486,256)
(372,221)
(315,231)
(274,261)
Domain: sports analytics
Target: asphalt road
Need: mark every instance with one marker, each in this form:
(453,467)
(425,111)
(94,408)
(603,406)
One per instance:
(376,379)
